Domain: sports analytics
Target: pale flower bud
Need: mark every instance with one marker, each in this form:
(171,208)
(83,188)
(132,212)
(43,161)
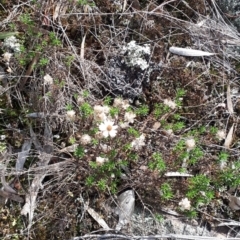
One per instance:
(129,117)
(71,114)
(85,139)
(185,204)
(100,161)
(221,134)
(170,103)
(190,143)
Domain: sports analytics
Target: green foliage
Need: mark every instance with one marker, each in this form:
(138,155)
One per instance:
(179,95)
(166,191)
(43,62)
(132,131)
(159,218)
(86,93)
(113,111)
(79,152)
(223,156)
(180,146)
(107,101)
(157,163)
(191,213)
(229,176)
(72,140)
(86,109)
(85,2)
(90,181)
(199,189)
(143,110)
(54,40)
(26,19)
(178,126)
(160,109)
(69,107)
(195,155)
(213,130)
(2,147)
(69,60)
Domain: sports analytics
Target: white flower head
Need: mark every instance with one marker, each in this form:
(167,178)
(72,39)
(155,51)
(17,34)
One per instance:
(48,80)
(108,129)
(124,125)
(71,114)
(185,204)
(105,148)
(101,109)
(221,134)
(170,103)
(138,143)
(85,139)
(100,117)
(100,112)
(100,160)
(7,56)
(190,143)
(120,103)
(125,104)
(117,102)
(129,117)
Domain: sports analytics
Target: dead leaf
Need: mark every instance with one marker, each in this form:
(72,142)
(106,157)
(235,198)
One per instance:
(229,100)
(82,47)
(22,156)
(234,203)
(189,52)
(229,138)
(156,125)
(126,202)
(177,174)
(98,218)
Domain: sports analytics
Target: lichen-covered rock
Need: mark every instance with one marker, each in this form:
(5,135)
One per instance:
(129,70)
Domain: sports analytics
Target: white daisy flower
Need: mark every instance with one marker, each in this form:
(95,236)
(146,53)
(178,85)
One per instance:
(108,129)
(185,204)
(138,143)
(129,117)
(170,103)
(85,139)
(100,160)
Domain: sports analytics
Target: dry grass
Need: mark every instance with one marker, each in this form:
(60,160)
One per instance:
(80,45)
